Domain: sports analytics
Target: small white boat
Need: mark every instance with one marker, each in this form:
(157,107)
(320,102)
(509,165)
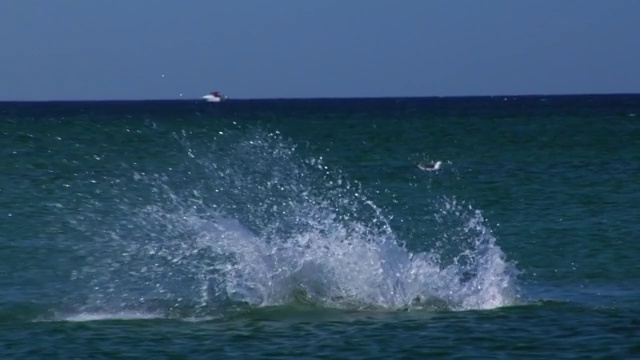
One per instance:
(214,96)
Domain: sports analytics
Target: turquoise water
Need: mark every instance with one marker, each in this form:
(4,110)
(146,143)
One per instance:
(304,228)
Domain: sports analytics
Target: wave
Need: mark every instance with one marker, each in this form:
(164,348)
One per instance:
(246,220)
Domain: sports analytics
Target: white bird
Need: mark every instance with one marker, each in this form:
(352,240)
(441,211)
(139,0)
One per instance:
(429,165)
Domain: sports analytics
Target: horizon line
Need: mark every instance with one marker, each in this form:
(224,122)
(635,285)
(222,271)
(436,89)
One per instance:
(334,98)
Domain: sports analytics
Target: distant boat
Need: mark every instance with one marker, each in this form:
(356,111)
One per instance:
(215,96)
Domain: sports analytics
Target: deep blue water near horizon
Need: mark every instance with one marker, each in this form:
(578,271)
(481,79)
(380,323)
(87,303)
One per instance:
(304,228)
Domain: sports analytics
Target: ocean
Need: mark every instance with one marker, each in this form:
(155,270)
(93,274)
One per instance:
(303,228)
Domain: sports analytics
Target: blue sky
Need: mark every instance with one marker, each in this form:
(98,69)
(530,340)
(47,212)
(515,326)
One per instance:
(120,49)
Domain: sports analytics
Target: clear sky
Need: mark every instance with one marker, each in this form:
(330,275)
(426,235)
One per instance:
(120,49)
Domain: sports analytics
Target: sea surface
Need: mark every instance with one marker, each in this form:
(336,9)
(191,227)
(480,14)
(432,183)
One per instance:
(305,229)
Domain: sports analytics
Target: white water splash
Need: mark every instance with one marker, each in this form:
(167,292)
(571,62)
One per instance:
(251,223)
(127,315)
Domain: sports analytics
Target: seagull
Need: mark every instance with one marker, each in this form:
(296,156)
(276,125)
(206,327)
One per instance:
(429,165)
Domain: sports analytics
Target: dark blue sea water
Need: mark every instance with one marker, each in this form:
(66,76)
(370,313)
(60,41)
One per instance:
(305,229)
